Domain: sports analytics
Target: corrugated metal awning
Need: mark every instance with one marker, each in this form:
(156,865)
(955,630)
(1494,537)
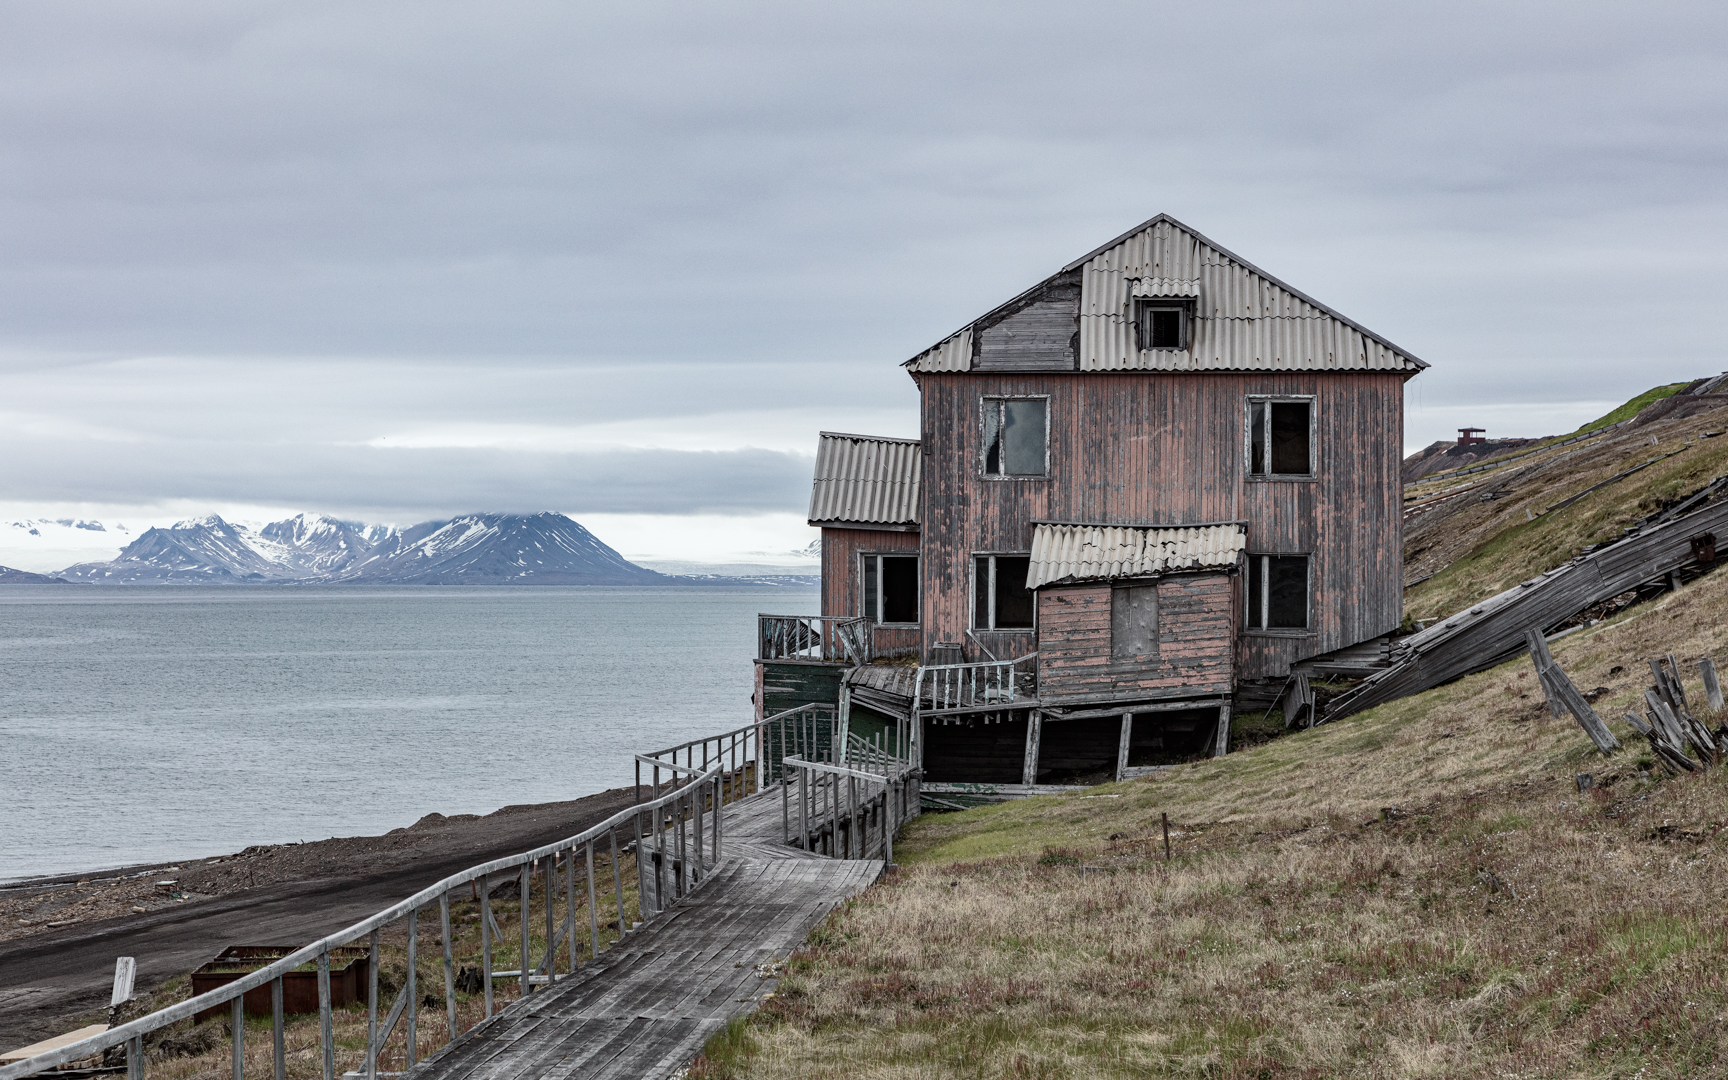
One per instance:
(862,480)
(1103,552)
(1158,286)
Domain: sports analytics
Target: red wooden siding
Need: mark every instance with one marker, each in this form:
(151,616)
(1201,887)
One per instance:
(1168,448)
(842,584)
(1196,634)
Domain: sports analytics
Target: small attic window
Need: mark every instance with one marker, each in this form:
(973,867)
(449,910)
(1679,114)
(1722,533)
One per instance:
(1162,323)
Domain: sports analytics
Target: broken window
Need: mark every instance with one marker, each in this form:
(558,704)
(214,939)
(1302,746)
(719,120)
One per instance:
(891,588)
(1277,592)
(1162,326)
(1000,598)
(1278,437)
(1015,433)
(1133,622)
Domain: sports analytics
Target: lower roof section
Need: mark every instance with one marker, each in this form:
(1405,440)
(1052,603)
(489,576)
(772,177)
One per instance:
(867,482)
(1078,552)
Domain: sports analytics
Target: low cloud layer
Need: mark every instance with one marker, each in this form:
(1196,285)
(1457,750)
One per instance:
(426,258)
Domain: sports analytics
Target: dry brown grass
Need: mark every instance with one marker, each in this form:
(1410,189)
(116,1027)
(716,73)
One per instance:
(1416,891)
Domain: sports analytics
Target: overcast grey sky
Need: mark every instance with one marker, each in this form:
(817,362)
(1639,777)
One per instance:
(396,260)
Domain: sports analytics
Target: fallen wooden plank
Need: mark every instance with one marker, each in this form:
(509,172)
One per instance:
(1712,687)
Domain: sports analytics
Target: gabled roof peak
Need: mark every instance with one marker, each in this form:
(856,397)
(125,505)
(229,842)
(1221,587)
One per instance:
(1245,319)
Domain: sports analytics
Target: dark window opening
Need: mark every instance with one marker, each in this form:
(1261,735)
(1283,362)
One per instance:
(1134,622)
(1163,326)
(1278,438)
(1277,592)
(891,588)
(1000,598)
(1014,436)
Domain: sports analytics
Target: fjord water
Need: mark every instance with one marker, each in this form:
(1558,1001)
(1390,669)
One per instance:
(167,723)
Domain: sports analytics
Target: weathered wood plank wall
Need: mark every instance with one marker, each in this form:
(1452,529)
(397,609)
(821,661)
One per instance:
(842,582)
(1168,448)
(1196,636)
(782,685)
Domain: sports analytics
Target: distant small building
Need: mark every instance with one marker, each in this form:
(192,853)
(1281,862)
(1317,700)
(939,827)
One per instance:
(1470,436)
(1146,489)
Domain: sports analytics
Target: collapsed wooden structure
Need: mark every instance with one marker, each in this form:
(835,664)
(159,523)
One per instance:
(1495,630)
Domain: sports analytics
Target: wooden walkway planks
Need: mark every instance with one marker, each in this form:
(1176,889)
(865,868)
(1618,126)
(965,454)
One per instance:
(643,1009)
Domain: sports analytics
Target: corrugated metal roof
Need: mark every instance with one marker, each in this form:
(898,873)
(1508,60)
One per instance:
(1244,318)
(868,481)
(952,354)
(1102,552)
(1159,286)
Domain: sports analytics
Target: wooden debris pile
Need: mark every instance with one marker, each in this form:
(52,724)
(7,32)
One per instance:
(1668,722)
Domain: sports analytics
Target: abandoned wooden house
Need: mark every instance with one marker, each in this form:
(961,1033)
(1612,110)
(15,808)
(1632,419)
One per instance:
(1147,489)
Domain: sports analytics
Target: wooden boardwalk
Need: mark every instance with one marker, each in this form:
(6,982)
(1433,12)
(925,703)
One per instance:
(643,1009)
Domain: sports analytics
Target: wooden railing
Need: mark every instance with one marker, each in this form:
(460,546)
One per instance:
(847,813)
(676,839)
(956,688)
(750,758)
(824,638)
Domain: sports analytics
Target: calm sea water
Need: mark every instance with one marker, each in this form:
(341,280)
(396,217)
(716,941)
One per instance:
(142,724)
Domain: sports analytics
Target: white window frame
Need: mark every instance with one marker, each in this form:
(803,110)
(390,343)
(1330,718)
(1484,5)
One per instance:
(972,606)
(1265,598)
(1142,328)
(1313,403)
(984,403)
(864,577)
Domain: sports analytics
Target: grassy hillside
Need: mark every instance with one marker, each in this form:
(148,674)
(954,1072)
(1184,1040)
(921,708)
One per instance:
(1419,890)
(1631,408)
(1498,527)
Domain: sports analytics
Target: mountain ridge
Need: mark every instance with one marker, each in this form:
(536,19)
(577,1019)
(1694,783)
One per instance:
(311,549)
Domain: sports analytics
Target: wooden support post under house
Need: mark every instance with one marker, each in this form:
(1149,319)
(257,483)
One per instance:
(1222,745)
(1122,745)
(1034,731)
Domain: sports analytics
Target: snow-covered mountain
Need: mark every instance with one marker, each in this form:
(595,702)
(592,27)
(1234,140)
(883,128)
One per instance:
(319,545)
(477,549)
(207,550)
(500,549)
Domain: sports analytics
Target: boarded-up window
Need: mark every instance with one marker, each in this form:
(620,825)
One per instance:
(891,588)
(1277,592)
(1134,622)
(1278,437)
(1000,598)
(1015,434)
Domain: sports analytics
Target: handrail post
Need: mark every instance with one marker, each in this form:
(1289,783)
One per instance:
(618,877)
(324,1025)
(412,1030)
(278,1051)
(449,964)
(526,877)
(593,905)
(237,1035)
(486,940)
(371,1063)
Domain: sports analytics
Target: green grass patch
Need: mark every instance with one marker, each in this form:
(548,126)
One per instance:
(1634,407)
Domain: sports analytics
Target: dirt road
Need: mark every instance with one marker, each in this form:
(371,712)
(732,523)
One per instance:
(59,937)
